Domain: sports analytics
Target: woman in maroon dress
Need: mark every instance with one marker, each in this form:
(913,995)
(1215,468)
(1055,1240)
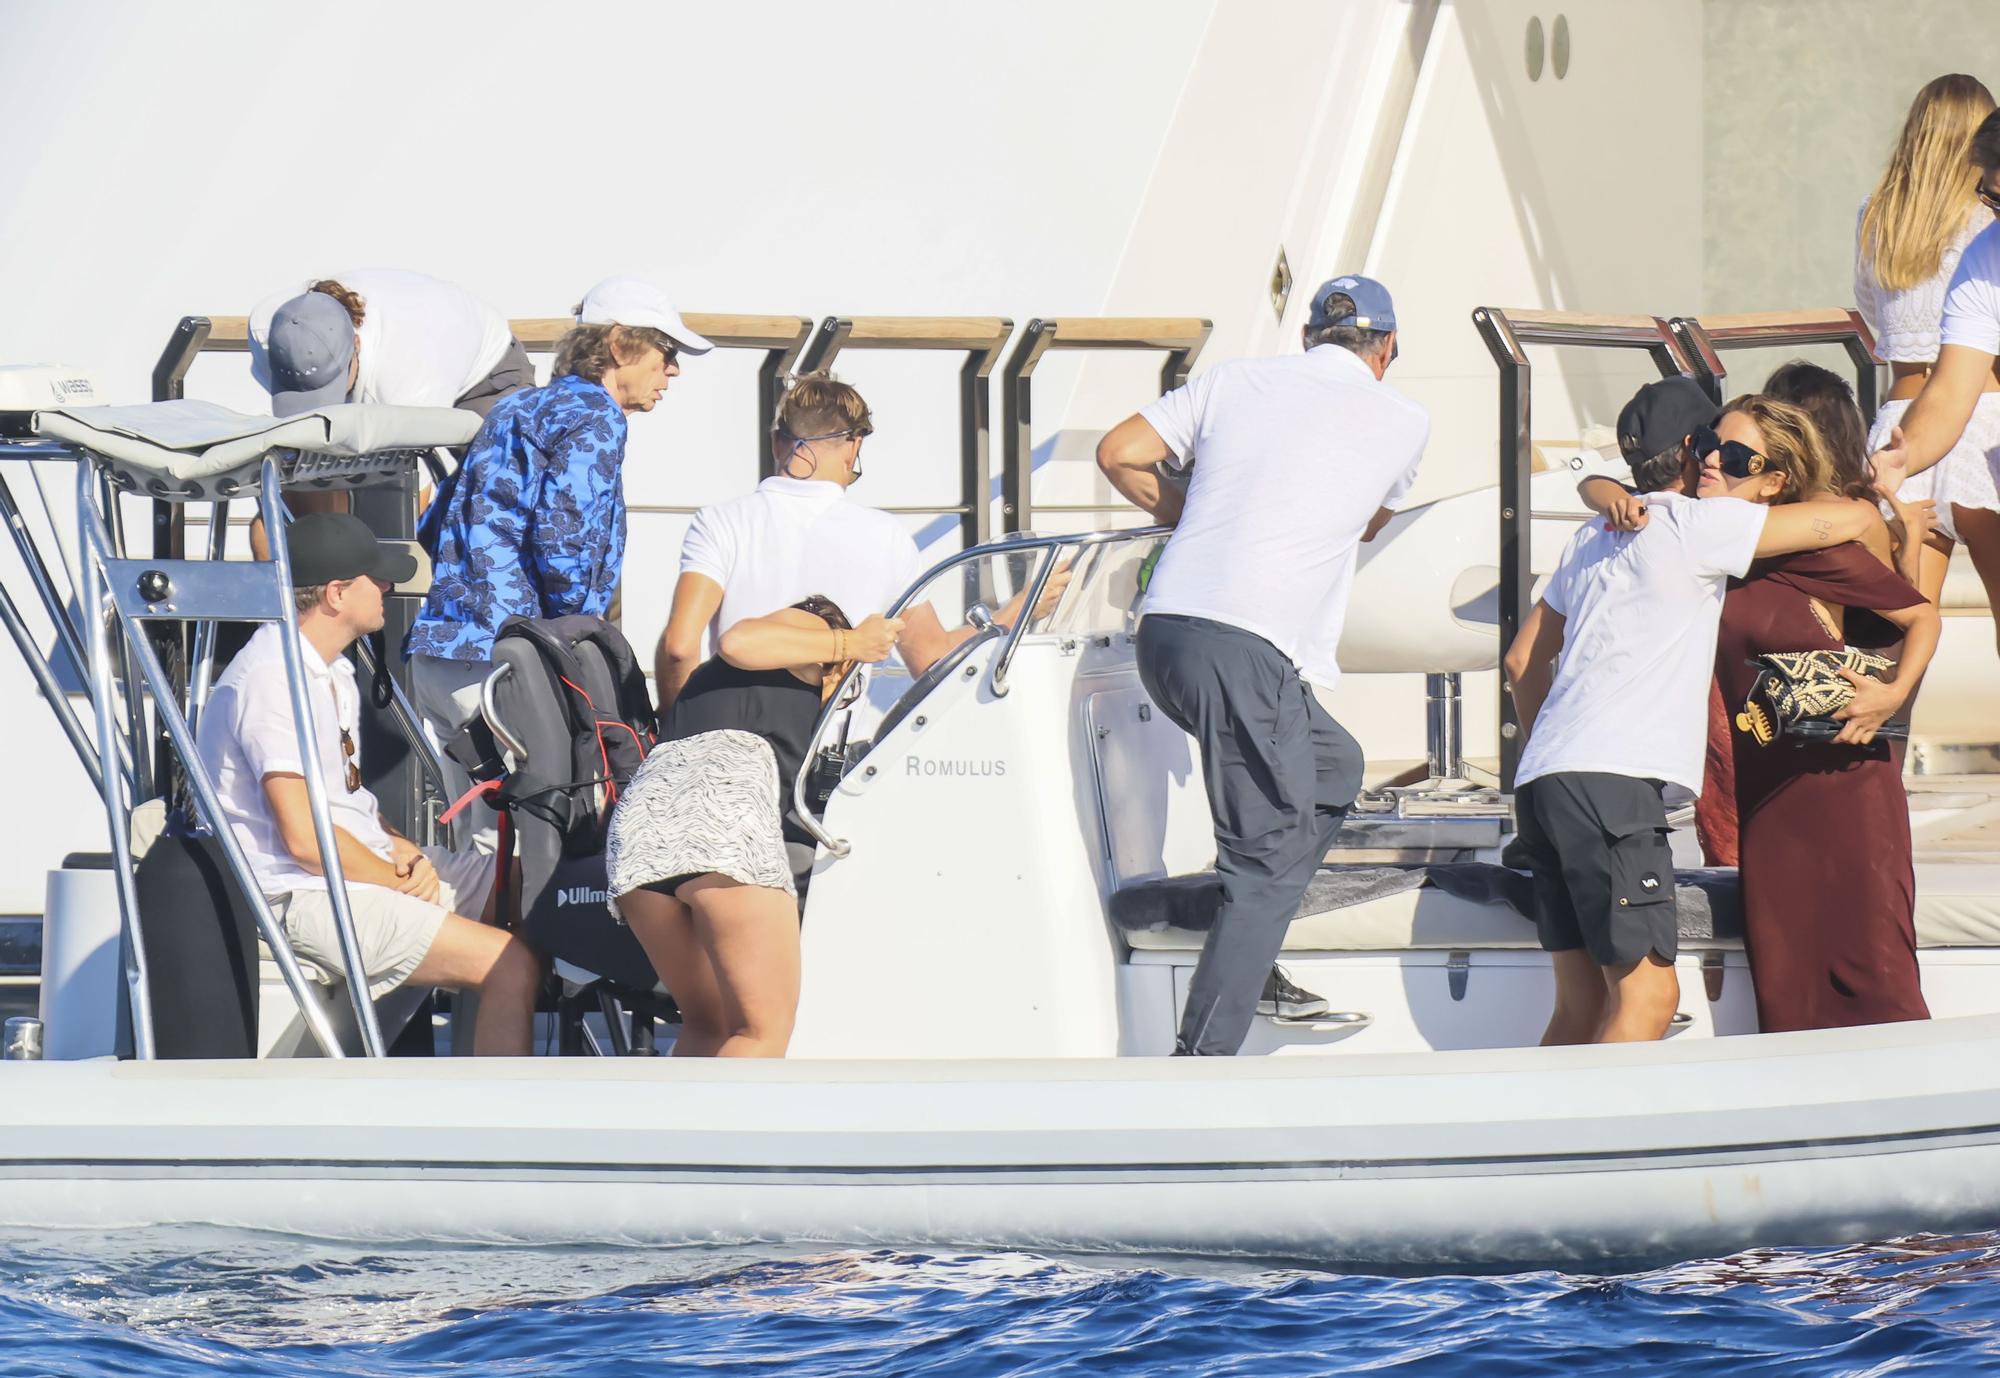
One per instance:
(1829,895)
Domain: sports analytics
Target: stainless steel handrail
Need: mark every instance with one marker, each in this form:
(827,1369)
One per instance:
(1182,337)
(997,683)
(801,808)
(94,603)
(305,725)
(491,712)
(201,671)
(95,547)
(1506,332)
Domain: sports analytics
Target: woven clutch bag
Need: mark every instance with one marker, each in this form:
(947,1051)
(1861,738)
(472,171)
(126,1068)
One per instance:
(1797,693)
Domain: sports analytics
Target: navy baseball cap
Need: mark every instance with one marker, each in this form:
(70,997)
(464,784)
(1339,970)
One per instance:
(311,345)
(1373,310)
(327,547)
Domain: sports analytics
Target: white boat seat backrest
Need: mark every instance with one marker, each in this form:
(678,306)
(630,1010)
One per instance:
(194,451)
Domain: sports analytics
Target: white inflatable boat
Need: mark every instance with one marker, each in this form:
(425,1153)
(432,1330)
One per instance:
(1693,1147)
(1003,917)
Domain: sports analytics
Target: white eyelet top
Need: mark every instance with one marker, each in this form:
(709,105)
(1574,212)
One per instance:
(1906,323)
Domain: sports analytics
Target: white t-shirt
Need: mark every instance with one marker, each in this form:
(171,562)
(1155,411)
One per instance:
(246,734)
(424,343)
(794,537)
(1292,456)
(1641,611)
(1972,302)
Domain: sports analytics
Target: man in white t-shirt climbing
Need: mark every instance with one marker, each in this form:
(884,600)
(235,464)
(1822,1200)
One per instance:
(1610,674)
(1295,461)
(799,534)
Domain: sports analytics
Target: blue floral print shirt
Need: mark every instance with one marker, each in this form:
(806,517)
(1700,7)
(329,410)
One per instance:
(531,525)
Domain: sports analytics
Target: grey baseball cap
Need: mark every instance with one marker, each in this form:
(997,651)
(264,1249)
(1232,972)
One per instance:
(311,344)
(1372,308)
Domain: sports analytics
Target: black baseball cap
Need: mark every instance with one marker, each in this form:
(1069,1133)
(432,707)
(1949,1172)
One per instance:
(1660,415)
(327,547)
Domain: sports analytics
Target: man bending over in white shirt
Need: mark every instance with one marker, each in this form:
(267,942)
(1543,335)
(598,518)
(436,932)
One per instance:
(1633,617)
(416,909)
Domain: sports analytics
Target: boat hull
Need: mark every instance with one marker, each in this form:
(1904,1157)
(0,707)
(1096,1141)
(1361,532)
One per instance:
(1481,1159)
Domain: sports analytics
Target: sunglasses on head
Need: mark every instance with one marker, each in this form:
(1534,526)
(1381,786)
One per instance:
(1738,460)
(1989,199)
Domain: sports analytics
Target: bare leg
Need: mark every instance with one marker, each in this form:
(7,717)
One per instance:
(1643,997)
(1934,560)
(504,971)
(665,929)
(1580,999)
(751,934)
(1980,530)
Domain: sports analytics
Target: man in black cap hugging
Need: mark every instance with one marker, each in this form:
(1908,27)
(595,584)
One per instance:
(1610,676)
(416,909)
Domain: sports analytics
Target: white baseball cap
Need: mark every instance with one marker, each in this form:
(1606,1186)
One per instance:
(636,302)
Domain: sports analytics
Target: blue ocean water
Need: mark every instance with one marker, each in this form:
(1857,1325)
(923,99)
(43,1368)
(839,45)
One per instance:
(171,1303)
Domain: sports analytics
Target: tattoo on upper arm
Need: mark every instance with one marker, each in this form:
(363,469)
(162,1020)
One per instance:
(1822,529)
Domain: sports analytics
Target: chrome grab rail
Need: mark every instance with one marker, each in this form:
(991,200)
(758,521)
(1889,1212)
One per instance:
(97,547)
(489,711)
(95,605)
(272,501)
(997,683)
(1051,545)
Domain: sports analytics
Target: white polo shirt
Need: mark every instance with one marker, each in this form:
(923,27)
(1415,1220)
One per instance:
(246,734)
(1640,610)
(424,342)
(794,537)
(1292,456)
(1972,302)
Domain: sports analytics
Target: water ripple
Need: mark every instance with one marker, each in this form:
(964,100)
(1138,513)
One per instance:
(196,1304)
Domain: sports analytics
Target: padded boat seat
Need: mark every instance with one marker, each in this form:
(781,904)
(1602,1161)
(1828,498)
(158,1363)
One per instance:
(1958,905)
(191,451)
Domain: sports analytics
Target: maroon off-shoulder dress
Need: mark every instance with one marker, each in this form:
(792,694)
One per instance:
(1829,896)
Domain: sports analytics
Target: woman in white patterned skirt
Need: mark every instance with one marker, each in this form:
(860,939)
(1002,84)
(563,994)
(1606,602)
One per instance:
(1912,230)
(697,856)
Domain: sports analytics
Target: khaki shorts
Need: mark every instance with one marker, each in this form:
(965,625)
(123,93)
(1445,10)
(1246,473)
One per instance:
(396,930)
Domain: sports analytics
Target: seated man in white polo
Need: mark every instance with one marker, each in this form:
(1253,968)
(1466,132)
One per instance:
(416,909)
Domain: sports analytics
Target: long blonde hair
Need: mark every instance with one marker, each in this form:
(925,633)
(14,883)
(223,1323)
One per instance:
(1928,190)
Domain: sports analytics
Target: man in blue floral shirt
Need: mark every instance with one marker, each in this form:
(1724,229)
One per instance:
(533,523)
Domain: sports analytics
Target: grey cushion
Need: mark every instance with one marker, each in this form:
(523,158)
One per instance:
(1391,908)
(197,451)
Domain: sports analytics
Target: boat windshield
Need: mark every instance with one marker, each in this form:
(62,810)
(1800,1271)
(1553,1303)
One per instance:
(1107,582)
(1107,579)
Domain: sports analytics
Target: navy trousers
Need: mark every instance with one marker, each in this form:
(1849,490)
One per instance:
(1280,774)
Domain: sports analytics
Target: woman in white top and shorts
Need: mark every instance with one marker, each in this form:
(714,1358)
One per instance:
(1921,216)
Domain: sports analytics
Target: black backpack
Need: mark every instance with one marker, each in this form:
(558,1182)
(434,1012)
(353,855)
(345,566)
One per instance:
(608,714)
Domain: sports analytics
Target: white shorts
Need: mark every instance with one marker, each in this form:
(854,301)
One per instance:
(396,930)
(1968,475)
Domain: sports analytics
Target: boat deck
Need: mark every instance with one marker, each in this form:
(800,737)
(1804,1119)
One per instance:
(1955,817)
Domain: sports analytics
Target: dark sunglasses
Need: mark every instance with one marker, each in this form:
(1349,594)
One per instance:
(353,767)
(1989,199)
(1738,459)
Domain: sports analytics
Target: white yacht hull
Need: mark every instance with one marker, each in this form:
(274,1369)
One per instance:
(1463,1159)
